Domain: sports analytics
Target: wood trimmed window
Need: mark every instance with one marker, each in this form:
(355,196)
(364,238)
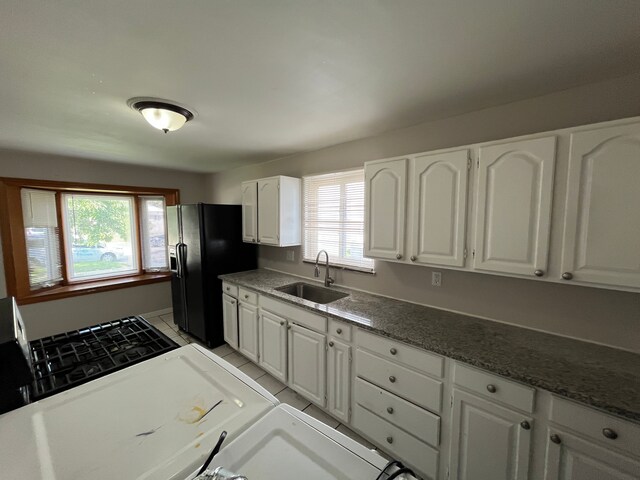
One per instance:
(52,248)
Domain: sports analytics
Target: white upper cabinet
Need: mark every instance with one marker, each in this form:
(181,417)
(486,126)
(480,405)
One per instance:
(271,211)
(601,242)
(385,199)
(250,211)
(513,208)
(439,210)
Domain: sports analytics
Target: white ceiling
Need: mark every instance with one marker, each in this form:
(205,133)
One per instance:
(270,78)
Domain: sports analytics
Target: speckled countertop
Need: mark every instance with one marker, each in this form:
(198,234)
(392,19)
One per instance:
(600,376)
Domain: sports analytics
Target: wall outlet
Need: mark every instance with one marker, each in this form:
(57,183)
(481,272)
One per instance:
(436,279)
(291,255)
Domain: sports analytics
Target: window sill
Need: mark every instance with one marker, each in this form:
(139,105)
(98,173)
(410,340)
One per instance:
(92,287)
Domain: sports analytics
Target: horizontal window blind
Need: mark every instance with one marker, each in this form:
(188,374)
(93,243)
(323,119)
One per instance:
(42,237)
(334,218)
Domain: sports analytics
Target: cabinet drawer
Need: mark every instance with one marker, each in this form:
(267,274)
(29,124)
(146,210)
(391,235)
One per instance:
(594,424)
(340,330)
(426,362)
(230,289)
(407,448)
(411,385)
(295,314)
(494,387)
(399,412)
(247,296)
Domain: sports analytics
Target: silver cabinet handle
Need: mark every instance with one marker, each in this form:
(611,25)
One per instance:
(393,351)
(392,379)
(389,410)
(539,273)
(233,302)
(399,256)
(609,433)
(246,297)
(525,425)
(413,258)
(228,289)
(288,327)
(491,388)
(281,324)
(331,344)
(339,331)
(389,439)
(567,276)
(555,438)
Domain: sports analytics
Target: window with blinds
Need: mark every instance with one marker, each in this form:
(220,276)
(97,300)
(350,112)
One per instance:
(42,238)
(334,219)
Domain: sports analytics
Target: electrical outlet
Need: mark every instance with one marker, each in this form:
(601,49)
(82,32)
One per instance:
(436,279)
(291,255)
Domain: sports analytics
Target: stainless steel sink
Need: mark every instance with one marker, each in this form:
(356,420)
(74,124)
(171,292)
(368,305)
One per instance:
(312,292)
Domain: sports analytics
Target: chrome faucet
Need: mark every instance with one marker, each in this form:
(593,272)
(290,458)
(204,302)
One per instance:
(328,281)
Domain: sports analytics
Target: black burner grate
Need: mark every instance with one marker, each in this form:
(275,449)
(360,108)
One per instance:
(73,358)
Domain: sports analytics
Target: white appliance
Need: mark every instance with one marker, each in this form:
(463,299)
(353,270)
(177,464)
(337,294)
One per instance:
(152,420)
(287,444)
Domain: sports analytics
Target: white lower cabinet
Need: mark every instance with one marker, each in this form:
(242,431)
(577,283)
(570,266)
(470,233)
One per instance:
(339,379)
(307,363)
(248,331)
(230,320)
(272,336)
(571,458)
(488,441)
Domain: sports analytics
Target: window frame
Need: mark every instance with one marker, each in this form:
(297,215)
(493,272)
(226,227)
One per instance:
(334,264)
(14,247)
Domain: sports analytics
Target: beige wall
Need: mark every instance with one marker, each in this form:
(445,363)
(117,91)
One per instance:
(57,316)
(597,315)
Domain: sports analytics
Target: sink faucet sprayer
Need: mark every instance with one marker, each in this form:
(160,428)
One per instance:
(328,281)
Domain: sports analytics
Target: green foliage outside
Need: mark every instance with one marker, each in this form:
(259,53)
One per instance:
(91,267)
(98,220)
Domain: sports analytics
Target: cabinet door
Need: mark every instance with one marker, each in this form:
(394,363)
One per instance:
(339,379)
(602,221)
(307,363)
(269,211)
(513,216)
(385,198)
(248,330)
(488,441)
(230,320)
(250,212)
(440,208)
(273,345)
(576,459)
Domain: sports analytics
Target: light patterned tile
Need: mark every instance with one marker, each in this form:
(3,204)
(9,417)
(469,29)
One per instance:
(223,350)
(318,414)
(290,397)
(236,359)
(155,321)
(270,384)
(180,341)
(252,370)
(167,317)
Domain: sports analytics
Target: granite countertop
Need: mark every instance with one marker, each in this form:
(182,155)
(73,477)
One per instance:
(603,377)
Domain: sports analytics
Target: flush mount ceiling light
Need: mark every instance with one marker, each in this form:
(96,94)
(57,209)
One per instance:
(161,114)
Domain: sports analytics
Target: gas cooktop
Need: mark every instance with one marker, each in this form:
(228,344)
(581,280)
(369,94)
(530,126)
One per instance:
(73,358)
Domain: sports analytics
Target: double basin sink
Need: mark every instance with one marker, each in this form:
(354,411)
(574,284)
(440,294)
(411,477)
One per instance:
(313,293)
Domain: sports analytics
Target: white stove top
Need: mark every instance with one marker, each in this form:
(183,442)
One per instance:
(153,420)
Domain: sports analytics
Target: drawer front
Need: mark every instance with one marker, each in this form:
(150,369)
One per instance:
(605,429)
(413,386)
(247,296)
(429,363)
(494,387)
(399,412)
(340,330)
(407,448)
(230,289)
(295,314)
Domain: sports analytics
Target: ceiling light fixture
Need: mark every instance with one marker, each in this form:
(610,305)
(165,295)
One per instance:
(161,114)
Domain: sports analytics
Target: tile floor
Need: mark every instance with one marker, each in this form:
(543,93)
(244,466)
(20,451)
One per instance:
(165,324)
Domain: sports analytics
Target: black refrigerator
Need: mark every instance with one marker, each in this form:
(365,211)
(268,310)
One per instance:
(204,241)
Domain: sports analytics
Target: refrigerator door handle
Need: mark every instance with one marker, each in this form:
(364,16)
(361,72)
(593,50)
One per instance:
(182,256)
